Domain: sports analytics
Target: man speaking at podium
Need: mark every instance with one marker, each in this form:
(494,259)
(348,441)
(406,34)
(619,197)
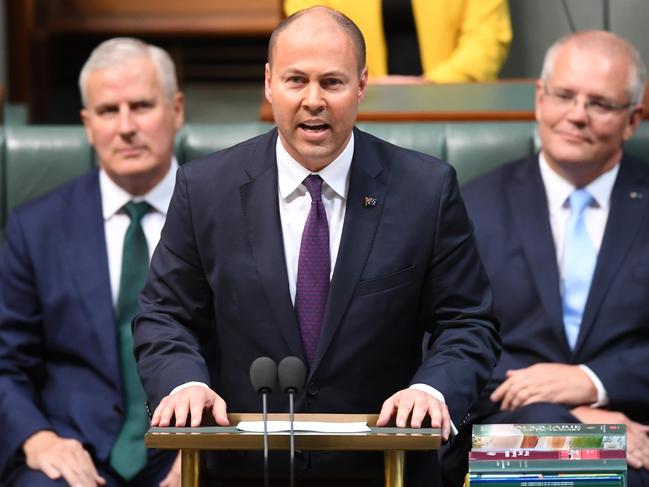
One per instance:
(320,241)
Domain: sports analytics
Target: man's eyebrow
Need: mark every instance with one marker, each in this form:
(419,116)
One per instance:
(293,71)
(141,100)
(334,74)
(102,107)
(590,96)
(136,101)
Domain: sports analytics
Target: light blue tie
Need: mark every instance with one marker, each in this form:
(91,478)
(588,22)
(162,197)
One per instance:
(579,260)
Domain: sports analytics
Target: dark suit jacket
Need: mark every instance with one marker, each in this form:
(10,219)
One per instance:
(58,345)
(405,266)
(509,211)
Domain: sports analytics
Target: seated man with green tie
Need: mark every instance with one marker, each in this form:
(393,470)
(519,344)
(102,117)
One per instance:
(74,261)
(564,237)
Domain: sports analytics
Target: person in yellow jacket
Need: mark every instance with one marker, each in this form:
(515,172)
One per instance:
(459,40)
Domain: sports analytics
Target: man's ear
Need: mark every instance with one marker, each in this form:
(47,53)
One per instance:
(179,109)
(635,117)
(362,84)
(267,91)
(538,99)
(85,119)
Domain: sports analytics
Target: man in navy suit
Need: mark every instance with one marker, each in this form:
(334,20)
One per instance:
(62,374)
(568,358)
(400,260)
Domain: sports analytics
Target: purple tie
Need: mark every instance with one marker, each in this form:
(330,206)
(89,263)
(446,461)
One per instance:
(313,270)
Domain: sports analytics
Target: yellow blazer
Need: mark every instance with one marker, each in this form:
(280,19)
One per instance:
(459,40)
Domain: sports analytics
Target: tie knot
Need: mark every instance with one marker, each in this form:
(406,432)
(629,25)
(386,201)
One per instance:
(136,210)
(313,184)
(579,200)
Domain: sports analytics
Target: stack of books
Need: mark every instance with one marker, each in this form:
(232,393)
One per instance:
(548,455)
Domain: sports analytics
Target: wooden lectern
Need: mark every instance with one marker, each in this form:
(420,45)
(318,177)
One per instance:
(392,441)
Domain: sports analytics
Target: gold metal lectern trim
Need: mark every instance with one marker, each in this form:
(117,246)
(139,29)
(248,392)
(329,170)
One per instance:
(392,441)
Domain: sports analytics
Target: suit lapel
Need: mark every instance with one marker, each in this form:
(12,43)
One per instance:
(86,257)
(626,206)
(264,229)
(359,230)
(528,204)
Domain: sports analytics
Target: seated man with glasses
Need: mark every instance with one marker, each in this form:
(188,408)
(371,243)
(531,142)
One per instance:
(564,237)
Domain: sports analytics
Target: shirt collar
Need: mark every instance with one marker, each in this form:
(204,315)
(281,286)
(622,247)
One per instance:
(114,197)
(557,189)
(291,173)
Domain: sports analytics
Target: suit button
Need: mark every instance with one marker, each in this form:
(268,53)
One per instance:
(312,389)
(118,409)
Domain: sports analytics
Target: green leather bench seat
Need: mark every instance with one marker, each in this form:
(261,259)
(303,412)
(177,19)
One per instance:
(35,159)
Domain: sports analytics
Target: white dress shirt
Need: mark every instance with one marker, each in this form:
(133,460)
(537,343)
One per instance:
(557,191)
(295,203)
(116,221)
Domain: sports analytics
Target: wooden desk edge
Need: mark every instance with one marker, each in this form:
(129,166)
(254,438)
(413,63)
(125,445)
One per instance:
(303,441)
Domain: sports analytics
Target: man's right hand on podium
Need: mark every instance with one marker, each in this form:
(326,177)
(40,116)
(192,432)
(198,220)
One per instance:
(191,400)
(60,457)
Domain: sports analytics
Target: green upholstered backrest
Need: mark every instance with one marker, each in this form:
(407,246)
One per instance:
(39,158)
(471,147)
(638,145)
(35,158)
(197,140)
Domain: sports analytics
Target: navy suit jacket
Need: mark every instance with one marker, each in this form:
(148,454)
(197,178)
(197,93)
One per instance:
(512,227)
(405,266)
(58,345)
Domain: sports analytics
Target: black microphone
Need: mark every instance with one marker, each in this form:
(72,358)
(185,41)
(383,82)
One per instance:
(292,374)
(263,376)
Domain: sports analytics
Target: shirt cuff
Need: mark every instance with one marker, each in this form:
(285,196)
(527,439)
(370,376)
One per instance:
(437,395)
(602,396)
(186,385)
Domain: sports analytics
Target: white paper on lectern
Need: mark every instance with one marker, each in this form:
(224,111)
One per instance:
(312,426)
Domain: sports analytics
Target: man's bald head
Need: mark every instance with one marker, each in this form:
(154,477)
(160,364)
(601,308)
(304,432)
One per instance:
(327,15)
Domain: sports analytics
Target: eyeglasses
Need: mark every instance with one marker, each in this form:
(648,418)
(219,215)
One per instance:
(593,106)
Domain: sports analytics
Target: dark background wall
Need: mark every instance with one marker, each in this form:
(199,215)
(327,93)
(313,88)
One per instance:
(3,45)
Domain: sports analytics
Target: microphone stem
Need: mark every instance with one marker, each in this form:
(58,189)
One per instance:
(265,418)
(292,439)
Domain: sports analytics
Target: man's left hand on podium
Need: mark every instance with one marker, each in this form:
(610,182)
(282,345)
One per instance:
(417,405)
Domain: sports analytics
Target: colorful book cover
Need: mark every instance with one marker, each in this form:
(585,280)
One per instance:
(550,436)
(531,454)
(549,429)
(533,466)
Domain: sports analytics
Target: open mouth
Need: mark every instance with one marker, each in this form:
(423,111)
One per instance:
(314,128)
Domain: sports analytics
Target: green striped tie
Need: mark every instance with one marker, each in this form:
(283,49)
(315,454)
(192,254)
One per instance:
(128,455)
